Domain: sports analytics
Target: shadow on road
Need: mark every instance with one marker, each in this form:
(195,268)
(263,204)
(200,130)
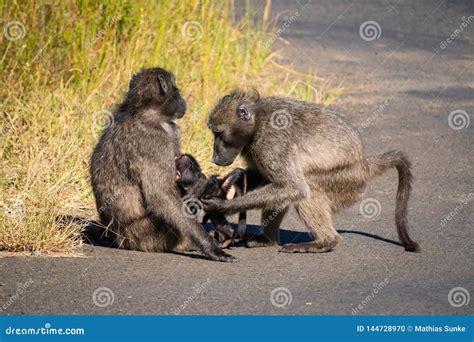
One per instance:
(96,234)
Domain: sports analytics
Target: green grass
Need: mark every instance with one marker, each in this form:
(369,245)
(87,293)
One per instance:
(72,63)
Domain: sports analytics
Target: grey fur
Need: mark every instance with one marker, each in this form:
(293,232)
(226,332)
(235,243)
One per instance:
(317,163)
(133,172)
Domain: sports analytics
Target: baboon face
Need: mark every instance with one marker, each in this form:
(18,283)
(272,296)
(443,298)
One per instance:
(157,87)
(232,121)
(189,177)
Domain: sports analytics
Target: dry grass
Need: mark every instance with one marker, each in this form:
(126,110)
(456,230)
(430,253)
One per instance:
(73,65)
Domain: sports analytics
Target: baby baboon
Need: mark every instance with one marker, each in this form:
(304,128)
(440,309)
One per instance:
(192,183)
(310,157)
(133,172)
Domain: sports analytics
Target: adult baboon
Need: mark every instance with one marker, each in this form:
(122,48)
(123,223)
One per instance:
(310,157)
(133,172)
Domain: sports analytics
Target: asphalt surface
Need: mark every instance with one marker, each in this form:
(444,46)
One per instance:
(399,90)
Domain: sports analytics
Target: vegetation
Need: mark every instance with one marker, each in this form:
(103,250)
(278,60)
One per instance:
(65,64)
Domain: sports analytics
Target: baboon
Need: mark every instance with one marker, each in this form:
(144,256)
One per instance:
(192,183)
(309,156)
(133,172)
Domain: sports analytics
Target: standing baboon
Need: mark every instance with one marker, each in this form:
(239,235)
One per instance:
(193,184)
(133,172)
(310,157)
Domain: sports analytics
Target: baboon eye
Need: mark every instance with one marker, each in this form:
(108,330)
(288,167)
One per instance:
(244,113)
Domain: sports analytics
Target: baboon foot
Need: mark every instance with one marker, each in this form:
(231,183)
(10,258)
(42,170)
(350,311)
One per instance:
(309,247)
(220,255)
(259,241)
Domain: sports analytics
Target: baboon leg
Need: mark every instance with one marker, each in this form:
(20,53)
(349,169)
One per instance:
(141,235)
(271,221)
(315,211)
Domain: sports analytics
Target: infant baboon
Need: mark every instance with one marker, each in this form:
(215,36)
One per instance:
(192,183)
(309,156)
(133,172)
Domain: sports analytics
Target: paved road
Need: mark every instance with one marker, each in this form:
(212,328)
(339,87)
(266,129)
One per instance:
(399,90)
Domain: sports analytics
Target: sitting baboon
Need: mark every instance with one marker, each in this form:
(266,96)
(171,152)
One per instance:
(133,172)
(311,158)
(192,183)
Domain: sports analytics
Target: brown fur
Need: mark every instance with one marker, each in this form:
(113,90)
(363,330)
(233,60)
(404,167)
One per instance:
(317,163)
(133,172)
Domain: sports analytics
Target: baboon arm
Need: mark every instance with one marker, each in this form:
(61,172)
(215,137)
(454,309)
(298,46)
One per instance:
(164,202)
(272,195)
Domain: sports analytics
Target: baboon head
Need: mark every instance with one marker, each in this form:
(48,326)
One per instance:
(223,187)
(156,87)
(193,183)
(232,121)
(189,177)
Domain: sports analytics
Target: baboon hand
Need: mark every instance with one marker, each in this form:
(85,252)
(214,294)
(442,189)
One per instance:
(220,255)
(215,205)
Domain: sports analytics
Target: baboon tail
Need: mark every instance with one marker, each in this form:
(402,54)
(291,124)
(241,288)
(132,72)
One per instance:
(396,159)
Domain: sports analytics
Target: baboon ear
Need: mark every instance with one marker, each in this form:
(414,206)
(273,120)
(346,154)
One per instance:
(163,84)
(244,113)
(133,81)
